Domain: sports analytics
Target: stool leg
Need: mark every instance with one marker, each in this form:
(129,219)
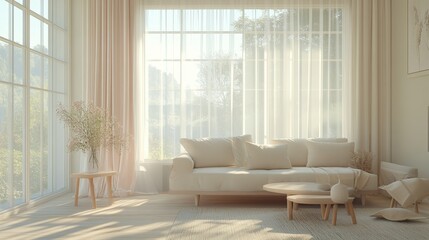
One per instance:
(334,215)
(327,211)
(109,188)
(416,207)
(91,189)
(76,194)
(349,206)
(363,199)
(323,209)
(289,210)
(295,206)
(197,200)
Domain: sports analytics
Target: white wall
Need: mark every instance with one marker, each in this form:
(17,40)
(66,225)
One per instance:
(410,100)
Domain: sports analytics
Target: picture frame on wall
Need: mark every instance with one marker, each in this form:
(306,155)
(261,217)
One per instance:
(418,35)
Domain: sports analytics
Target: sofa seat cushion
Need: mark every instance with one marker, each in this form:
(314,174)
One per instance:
(233,179)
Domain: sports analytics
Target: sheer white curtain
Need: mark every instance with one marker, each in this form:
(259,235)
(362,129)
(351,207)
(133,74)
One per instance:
(274,69)
(150,176)
(108,43)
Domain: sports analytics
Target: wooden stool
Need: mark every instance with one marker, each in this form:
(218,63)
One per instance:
(325,206)
(90,176)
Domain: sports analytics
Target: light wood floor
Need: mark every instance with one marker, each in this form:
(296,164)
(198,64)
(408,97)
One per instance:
(137,217)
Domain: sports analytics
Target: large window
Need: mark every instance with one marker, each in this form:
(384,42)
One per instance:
(33,80)
(272,73)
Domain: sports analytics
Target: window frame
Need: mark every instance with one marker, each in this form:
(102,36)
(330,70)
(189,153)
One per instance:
(52,91)
(183,6)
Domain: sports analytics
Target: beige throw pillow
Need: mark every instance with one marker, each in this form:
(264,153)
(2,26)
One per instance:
(297,148)
(267,156)
(239,149)
(397,214)
(322,154)
(209,152)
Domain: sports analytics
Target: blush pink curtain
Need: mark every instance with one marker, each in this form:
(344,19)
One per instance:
(109,84)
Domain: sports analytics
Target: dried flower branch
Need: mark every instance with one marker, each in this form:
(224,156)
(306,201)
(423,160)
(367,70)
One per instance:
(362,160)
(92,128)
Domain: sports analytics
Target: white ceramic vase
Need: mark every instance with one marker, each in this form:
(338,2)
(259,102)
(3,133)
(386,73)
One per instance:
(339,193)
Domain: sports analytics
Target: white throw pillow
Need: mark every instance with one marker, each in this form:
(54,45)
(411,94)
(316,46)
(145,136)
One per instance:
(267,156)
(322,154)
(297,148)
(239,149)
(397,214)
(209,152)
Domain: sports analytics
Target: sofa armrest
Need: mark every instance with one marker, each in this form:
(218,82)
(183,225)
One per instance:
(182,164)
(391,172)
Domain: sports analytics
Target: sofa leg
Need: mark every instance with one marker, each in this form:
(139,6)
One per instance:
(197,200)
(363,199)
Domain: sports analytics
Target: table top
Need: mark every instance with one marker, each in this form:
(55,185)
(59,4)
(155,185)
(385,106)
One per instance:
(94,174)
(294,188)
(313,199)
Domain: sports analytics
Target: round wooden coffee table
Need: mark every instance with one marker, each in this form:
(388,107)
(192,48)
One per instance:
(301,188)
(298,188)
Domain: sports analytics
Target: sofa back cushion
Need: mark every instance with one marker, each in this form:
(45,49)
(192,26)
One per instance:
(267,156)
(297,148)
(239,149)
(209,152)
(323,154)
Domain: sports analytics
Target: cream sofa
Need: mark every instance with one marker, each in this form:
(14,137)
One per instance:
(194,176)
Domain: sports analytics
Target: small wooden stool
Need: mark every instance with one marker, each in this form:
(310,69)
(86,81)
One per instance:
(90,176)
(325,206)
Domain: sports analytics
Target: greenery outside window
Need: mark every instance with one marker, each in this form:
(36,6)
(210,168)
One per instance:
(33,80)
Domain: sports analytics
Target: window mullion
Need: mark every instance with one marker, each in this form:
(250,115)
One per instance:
(231,108)
(328,90)
(27,100)
(299,68)
(41,140)
(321,69)
(309,87)
(183,115)
(10,145)
(243,61)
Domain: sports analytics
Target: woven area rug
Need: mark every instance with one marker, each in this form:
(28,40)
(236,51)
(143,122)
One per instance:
(272,223)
